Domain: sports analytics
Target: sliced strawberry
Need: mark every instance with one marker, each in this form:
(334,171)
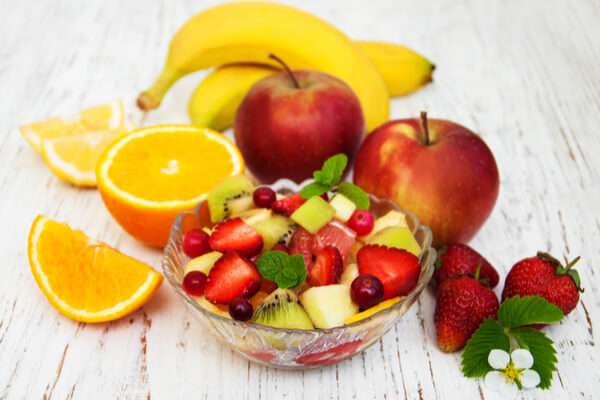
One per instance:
(398,270)
(327,267)
(333,355)
(302,243)
(231,276)
(288,205)
(335,234)
(236,235)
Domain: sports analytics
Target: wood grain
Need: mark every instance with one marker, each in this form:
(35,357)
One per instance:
(525,75)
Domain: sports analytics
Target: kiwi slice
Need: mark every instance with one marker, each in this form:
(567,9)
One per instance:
(314,214)
(276,229)
(282,309)
(233,193)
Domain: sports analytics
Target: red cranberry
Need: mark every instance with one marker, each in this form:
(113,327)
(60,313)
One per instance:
(366,291)
(240,309)
(195,243)
(263,197)
(361,222)
(194,283)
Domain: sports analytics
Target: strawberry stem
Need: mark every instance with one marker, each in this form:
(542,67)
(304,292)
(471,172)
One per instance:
(289,71)
(570,265)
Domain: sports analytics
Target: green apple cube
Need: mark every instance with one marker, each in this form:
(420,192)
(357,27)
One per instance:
(344,207)
(328,306)
(314,214)
(399,237)
(204,263)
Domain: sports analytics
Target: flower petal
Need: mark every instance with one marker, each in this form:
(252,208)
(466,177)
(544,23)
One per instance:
(495,380)
(522,358)
(530,378)
(498,359)
(509,390)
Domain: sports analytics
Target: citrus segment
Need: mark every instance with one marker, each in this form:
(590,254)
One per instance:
(84,279)
(149,176)
(373,310)
(106,117)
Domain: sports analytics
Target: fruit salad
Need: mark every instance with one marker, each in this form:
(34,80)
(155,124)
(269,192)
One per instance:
(296,261)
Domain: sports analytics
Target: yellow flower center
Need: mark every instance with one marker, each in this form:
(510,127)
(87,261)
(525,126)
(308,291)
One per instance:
(512,373)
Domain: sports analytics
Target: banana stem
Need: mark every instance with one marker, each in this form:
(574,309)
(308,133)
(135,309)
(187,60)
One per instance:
(151,98)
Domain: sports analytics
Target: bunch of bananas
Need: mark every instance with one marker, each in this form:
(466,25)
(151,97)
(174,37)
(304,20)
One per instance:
(237,39)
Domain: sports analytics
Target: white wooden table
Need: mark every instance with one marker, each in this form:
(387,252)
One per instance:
(525,75)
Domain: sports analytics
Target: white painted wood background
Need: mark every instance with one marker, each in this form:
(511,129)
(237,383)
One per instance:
(524,74)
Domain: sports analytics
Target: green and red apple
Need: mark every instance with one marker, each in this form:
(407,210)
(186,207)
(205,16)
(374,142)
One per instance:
(290,123)
(439,170)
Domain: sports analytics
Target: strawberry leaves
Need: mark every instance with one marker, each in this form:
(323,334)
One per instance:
(328,178)
(513,314)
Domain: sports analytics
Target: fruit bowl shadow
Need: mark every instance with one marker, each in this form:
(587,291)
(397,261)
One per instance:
(293,348)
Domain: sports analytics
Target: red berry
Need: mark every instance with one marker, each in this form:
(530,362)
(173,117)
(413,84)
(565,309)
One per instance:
(361,222)
(288,205)
(232,276)
(398,270)
(366,291)
(195,243)
(236,235)
(457,259)
(240,309)
(194,283)
(327,267)
(263,197)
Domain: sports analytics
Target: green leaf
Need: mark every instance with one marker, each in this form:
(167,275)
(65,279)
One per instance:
(490,335)
(285,270)
(322,177)
(271,263)
(334,167)
(519,311)
(544,354)
(314,189)
(354,194)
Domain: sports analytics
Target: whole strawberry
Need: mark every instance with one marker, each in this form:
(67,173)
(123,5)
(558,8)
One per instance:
(462,304)
(544,276)
(459,259)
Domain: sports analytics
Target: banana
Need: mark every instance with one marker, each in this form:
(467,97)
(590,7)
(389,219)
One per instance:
(218,96)
(250,31)
(403,69)
(215,101)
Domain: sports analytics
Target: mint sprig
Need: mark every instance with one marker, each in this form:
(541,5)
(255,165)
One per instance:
(512,316)
(285,270)
(328,177)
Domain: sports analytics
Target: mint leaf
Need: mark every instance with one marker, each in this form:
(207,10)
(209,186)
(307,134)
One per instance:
(285,270)
(323,177)
(354,194)
(544,354)
(333,168)
(490,335)
(519,311)
(271,264)
(314,189)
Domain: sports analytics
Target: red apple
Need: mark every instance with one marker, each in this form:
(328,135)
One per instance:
(439,170)
(290,123)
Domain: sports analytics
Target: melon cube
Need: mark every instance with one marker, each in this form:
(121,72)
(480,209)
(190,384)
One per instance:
(314,214)
(398,237)
(344,207)
(328,306)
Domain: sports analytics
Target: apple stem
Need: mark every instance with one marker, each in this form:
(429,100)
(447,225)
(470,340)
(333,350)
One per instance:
(425,127)
(289,71)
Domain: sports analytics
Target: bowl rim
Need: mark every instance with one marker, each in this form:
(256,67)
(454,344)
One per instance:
(292,186)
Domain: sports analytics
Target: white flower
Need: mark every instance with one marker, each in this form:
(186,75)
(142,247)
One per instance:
(510,370)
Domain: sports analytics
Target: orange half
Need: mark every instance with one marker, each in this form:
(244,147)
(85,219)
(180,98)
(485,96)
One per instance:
(84,279)
(148,176)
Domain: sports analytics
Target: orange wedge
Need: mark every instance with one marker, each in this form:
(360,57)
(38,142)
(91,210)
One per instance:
(105,117)
(84,279)
(150,175)
(373,310)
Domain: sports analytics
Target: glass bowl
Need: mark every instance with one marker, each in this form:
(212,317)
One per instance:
(293,348)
